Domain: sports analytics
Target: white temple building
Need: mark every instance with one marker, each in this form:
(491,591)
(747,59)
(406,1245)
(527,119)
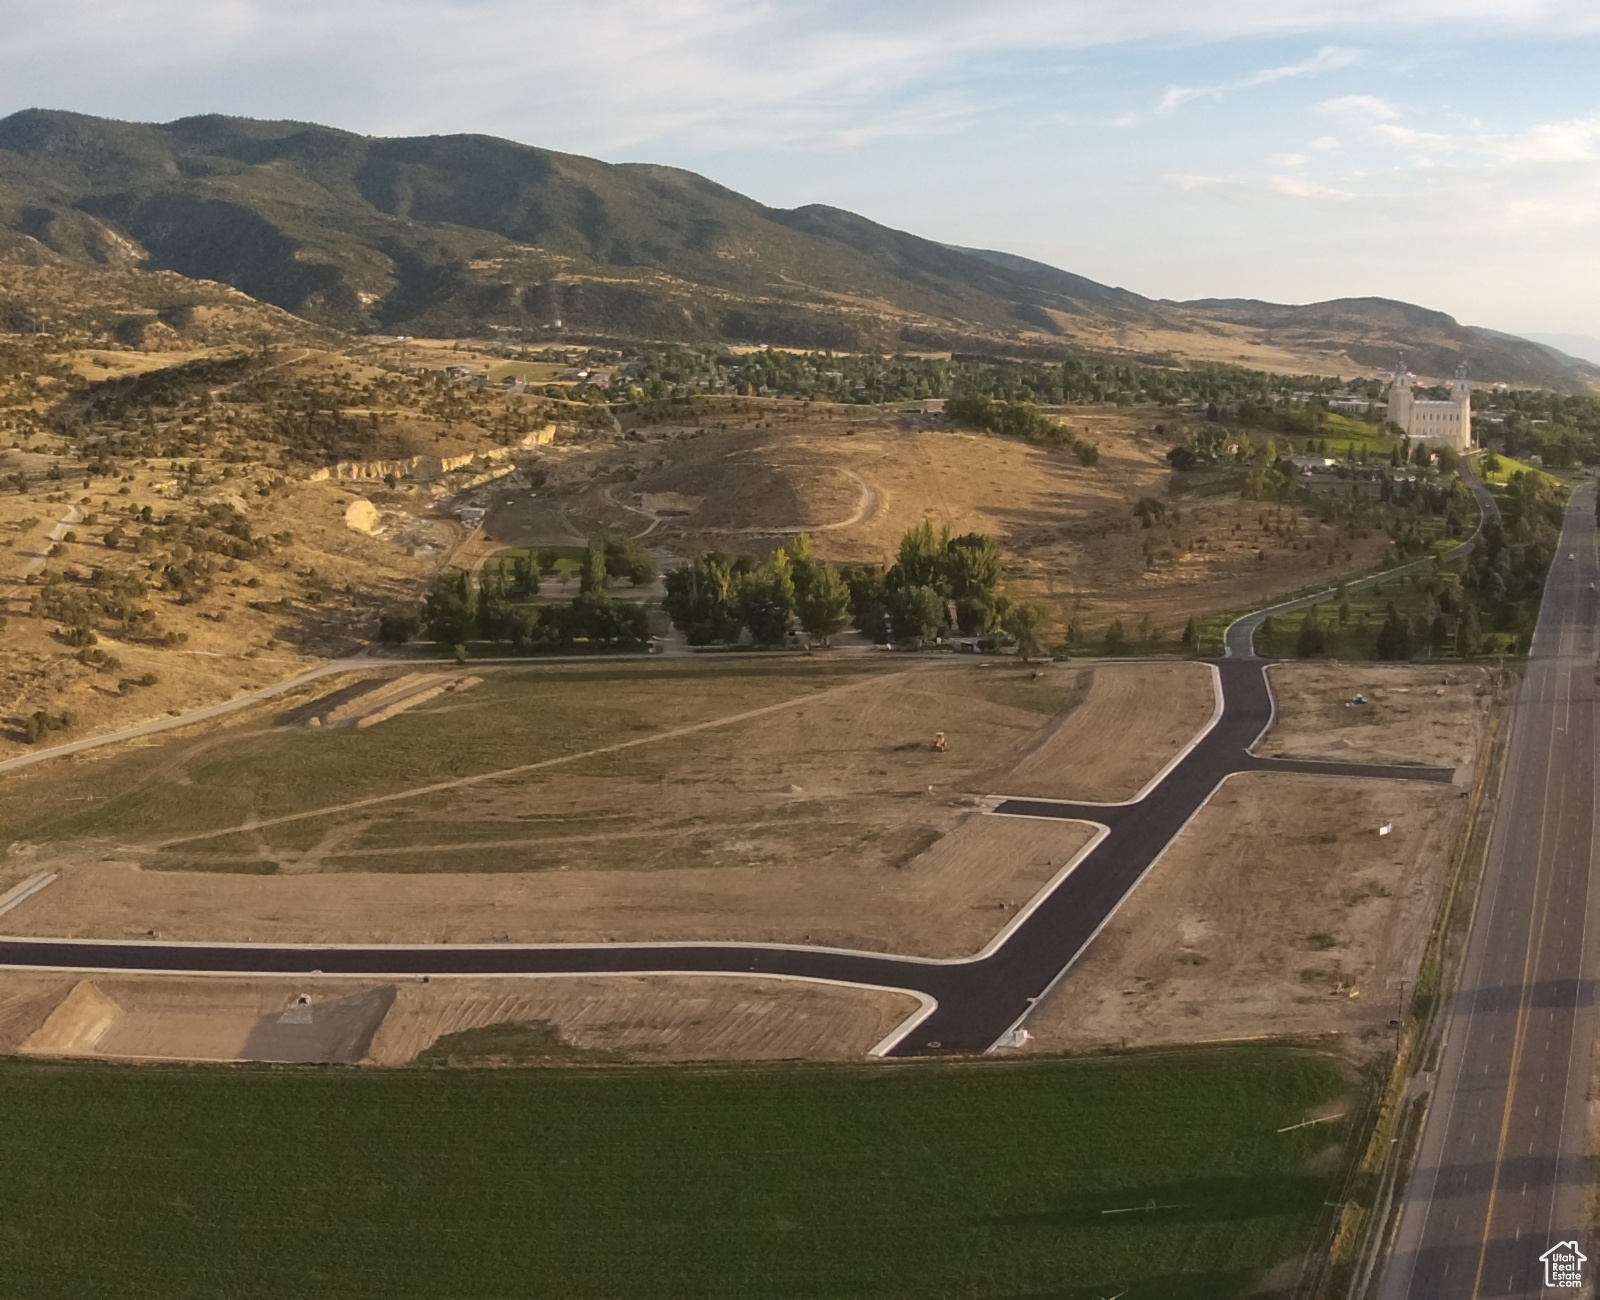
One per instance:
(1440,424)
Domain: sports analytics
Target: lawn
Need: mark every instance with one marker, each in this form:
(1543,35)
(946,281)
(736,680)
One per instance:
(982,1179)
(1505,468)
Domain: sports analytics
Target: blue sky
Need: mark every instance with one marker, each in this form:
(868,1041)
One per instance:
(1446,152)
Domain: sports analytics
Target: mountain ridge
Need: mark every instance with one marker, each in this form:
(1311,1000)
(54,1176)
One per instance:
(471,233)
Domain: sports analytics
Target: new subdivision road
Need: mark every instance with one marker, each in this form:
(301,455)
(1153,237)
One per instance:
(1502,1172)
(968,1004)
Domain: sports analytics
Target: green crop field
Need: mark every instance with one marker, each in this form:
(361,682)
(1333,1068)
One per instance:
(984,1179)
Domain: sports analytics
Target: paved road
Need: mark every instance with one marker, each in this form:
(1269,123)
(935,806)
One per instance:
(1502,1172)
(977,1000)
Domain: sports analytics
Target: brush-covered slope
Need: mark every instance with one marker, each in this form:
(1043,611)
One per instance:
(456,234)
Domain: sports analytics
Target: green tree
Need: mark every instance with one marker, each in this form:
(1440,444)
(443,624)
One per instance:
(548,557)
(1397,639)
(1191,634)
(972,566)
(625,558)
(1312,640)
(1116,637)
(823,604)
(921,559)
(916,614)
(494,603)
(593,578)
(601,620)
(525,573)
(1025,624)
(869,600)
(448,613)
(766,601)
(398,624)
(701,599)
(1469,633)
(804,566)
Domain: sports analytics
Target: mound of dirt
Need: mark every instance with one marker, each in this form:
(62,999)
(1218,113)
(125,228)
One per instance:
(76,1027)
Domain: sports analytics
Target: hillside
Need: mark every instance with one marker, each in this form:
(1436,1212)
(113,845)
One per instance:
(452,235)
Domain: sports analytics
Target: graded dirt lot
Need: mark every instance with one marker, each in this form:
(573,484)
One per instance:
(946,901)
(652,1018)
(1412,714)
(1133,720)
(626,1018)
(1281,897)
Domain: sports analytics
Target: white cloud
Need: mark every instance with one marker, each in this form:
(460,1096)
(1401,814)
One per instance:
(1326,143)
(1289,159)
(1575,141)
(1360,108)
(1194,182)
(617,74)
(1327,59)
(1304,187)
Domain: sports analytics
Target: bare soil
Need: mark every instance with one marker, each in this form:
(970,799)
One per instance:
(1281,896)
(945,901)
(1279,900)
(657,1018)
(828,820)
(1133,721)
(1413,714)
(653,1017)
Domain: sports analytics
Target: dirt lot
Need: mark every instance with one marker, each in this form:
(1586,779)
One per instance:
(1279,893)
(1281,890)
(1412,714)
(946,901)
(636,1018)
(653,1018)
(1133,720)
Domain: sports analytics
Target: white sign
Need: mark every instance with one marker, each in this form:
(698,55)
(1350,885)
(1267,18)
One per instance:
(1563,1265)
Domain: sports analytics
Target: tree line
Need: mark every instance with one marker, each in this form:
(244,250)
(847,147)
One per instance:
(938,583)
(499,608)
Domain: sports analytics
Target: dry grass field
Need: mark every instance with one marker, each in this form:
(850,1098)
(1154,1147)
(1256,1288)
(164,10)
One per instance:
(797,801)
(857,478)
(1147,712)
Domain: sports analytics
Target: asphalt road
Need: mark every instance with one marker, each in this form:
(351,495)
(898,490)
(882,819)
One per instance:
(1502,1172)
(977,1000)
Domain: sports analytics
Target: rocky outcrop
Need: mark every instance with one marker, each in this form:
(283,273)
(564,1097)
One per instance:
(430,467)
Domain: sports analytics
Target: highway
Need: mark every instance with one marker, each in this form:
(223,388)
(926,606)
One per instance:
(969,1004)
(1502,1171)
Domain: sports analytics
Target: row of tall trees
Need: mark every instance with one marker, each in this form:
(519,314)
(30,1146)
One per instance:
(499,608)
(718,597)
(937,583)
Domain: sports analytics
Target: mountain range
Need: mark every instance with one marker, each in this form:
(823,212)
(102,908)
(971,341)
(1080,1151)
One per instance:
(462,234)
